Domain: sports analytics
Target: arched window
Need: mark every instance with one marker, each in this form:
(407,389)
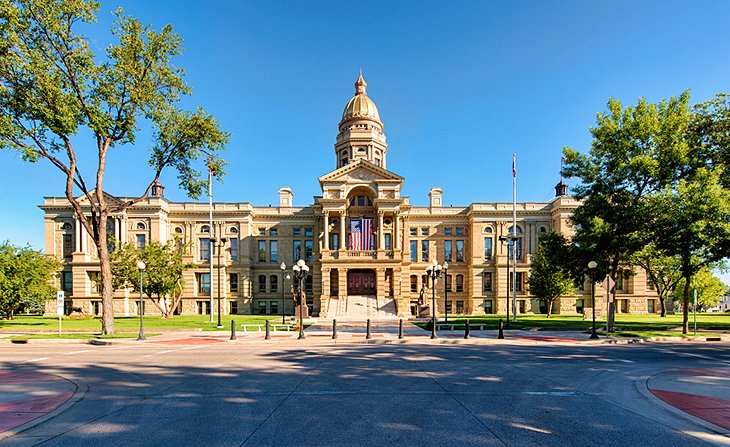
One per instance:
(178,230)
(205,229)
(519,230)
(542,230)
(488,230)
(66,226)
(141,226)
(234,230)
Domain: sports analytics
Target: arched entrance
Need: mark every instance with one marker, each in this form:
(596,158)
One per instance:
(361,282)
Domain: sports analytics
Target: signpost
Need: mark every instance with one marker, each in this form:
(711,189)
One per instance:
(59,308)
(695,311)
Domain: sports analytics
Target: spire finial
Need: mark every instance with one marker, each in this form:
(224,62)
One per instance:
(360,85)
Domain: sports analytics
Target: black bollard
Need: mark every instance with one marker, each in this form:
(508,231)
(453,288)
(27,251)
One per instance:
(367,336)
(268,331)
(466,330)
(334,329)
(233,329)
(501,330)
(400,330)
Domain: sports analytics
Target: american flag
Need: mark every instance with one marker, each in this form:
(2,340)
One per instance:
(361,232)
(514,168)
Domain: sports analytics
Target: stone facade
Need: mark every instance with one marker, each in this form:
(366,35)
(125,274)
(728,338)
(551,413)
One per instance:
(390,268)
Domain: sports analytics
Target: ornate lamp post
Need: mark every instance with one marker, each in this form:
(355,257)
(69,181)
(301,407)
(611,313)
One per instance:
(141,266)
(592,267)
(301,270)
(508,241)
(283,268)
(433,271)
(446,292)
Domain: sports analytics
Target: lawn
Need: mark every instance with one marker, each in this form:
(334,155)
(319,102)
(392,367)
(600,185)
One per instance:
(30,324)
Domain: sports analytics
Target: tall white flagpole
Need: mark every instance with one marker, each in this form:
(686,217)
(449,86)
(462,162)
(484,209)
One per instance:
(210,235)
(514,240)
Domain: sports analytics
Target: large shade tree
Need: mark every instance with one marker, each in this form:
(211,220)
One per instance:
(635,152)
(55,91)
(710,289)
(25,274)
(662,271)
(551,275)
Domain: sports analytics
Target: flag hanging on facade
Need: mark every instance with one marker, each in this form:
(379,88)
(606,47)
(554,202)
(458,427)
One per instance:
(361,234)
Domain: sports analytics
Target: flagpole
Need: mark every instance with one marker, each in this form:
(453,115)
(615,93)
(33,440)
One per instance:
(514,241)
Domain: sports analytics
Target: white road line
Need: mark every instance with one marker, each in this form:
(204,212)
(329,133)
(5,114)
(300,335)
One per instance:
(687,354)
(79,352)
(175,350)
(36,360)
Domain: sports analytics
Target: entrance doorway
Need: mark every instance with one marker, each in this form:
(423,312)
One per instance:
(361,282)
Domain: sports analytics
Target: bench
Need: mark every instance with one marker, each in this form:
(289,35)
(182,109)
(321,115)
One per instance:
(262,327)
(473,327)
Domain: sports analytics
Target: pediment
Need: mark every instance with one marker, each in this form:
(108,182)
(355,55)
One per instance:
(360,170)
(110,199)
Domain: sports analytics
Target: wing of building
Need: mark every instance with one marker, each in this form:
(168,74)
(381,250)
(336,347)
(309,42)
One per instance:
(367,246)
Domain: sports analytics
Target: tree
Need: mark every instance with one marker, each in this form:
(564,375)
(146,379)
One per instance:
(710,289)
(692,222)
(550,272)
(163,272)
(635,152)
(25,274)
(53,86)
(662,271)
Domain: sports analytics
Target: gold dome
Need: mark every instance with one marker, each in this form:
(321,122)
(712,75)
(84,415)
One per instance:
(361,106)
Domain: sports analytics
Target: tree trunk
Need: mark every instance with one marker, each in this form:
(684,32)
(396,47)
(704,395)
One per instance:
(107,290)
(685,311)
(663,307)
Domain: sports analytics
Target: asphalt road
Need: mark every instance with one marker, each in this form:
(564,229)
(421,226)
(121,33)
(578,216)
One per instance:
(289,394)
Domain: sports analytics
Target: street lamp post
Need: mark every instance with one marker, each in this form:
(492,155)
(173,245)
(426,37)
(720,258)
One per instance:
(283,313)
(503,240)
(592,267)
(433,271)
(221,246)
(446,292)
(301,270)
(141,266)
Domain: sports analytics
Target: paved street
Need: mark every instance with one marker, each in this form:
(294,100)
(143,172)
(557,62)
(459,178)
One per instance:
(190,392)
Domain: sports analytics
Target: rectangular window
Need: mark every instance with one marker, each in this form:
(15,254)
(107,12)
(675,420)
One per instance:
(517,243)
(262,231)
(424,231)
(297,251)
(414,283)
(335,241)
(67,282)
(68,247)
(519,281)
(262,251)
(96,307)
(308,250)
(273,283)
(448,283)
(203,282)
(424,251)
(459,251)
(204,243)
(94,282)
(459,283)
(234,249)
(262,283)
(387,241)
(141,241)
(447,231)
(521,306)
(579,306)
(448,249)
(308,287)
(233,282)
(487,281)
(459,307)
(233,307)
(414,231)
(459,231)
(309,232)
(262,308)
(448,307)
(487,248)
(414,251)
(203,307)
(273,232)
(274,307)
(297,232)
(274,251)
(488,309)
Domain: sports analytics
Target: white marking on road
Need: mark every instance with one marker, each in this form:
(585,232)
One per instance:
(36,360)
(79,352)
(686,354)
(175,350)
(625,361)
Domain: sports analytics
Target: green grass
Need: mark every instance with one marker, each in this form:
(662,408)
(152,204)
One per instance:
(130,324)
(76,336)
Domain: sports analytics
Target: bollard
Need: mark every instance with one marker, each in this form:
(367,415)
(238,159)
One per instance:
(368,337)
(233,330)
(400,330)
(334,329)
(501,330)
(466,330)
(268,331)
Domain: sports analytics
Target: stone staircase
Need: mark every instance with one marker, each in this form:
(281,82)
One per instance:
(361,307)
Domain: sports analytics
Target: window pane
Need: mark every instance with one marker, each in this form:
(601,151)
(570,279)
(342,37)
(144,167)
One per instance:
(262,251)
(424,251)
(487,281)
(274,251)
(234,249)
(387,241)
(204,248)
(297,251)
(204,282)
(308,250)
(414,251)
(448,248)
(273,283)
(487,248)
(459,231)
(141,241)
(308,232)
(262,283)
(459,251)
(233,282)
(448,283)
(459,283)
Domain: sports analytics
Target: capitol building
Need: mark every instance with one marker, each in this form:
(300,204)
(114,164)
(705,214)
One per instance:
(367,247)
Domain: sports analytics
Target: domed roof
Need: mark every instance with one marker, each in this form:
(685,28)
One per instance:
(360,106)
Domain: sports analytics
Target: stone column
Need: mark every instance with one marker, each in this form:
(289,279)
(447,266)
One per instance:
(381,238)
(342,279)
(396,228)
(343,234)
(326,230)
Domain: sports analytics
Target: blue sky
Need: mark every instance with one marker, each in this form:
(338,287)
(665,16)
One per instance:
(460,87)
